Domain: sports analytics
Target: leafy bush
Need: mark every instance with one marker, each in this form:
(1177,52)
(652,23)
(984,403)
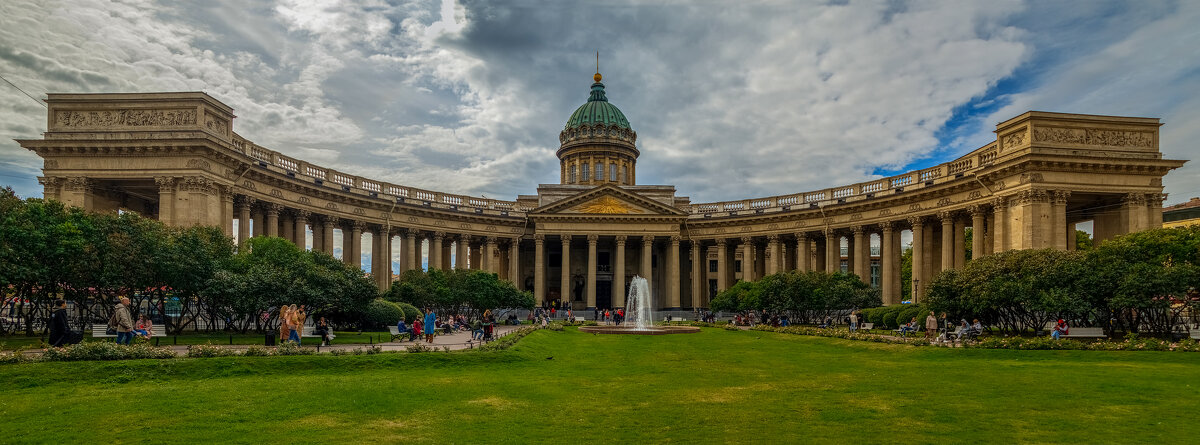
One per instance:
(256,351)
(13,357)
(411,313)
(289,348)
(106,351)
(418,347)
(889,319)
(842,333)
(209,350)
(382,313)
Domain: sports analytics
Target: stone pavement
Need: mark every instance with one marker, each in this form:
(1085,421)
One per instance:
(456,341)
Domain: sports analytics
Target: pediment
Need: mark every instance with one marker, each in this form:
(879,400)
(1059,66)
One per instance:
(607,200)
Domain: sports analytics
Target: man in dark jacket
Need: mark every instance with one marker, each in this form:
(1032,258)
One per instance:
(59,328)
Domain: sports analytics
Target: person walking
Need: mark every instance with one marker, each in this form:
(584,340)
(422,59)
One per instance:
(59,328)
(122,322)
(284,328)
(430,324)
(294,324)
(931,325)
(853,321)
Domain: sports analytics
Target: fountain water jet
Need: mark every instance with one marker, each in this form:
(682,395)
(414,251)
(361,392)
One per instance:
(639,315)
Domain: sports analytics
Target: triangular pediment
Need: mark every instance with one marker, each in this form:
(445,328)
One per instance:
(608,200)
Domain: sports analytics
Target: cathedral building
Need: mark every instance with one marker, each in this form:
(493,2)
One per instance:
(176,157)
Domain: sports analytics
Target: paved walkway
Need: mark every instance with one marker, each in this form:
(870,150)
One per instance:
(456,341)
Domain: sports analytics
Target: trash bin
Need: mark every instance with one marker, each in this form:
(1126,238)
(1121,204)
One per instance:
(270,341)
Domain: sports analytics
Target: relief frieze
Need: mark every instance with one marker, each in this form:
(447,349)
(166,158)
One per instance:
(1094,136)
(125,118)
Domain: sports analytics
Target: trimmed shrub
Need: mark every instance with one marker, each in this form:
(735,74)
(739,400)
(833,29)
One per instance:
(103,350)
(411,313)
(289,348)
(889,319)
(381,313)
(209,350)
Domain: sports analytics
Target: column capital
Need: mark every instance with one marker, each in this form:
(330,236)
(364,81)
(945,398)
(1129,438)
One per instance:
(1032,196)
(976,210)
(593,238)
(946,216)
(773,238)
(647,240)
(464,238)
(917,221)
(165,181)
(359,226)
(439,235)
(409,233)
(514,241)
(539,238)
(54,181)
(489,240)
(622,238)
(720,242)
(226,192)
(273,209)
(330,220)
(1155,199)
(79,184)
(999,203)
(747,239)
(675,239)
(565,238)
(801,236)
(887,226)
(857,230)
(302,214)
(1061,196)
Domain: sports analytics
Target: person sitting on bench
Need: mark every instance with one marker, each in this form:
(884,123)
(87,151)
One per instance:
(911,326)
(1060,329)
(144,328)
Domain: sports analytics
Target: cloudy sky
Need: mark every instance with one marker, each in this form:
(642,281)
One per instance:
(757,99)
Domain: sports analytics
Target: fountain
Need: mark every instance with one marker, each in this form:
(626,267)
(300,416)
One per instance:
(639,315)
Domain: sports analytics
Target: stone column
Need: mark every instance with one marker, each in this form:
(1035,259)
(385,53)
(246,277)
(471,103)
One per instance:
(287,226)
(772,263)
(803,250)
(851,253)
(918,256)
(514,262)
(166,204)
(590,292)
(1153,209)
(978,216)
(698,282)
(489,252)
(356,231)
(412,254)
(271,227)
(647,260)
(722,265)
(462,251)
(747,258)
(565,286)
(256,214)
(244,205)
(1058,218)
(327,234)
(301,232)
(673,273)
(887,258)
(381,256)
(226,209)
(1071,236)
(447,253)
(435,250)
(1000,224)
(862,254)
(960,246)
(820,246)
(474,255)
(618,287)
(947,240)
(833,252)
(539,268)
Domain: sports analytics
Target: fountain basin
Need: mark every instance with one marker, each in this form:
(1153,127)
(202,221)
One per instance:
(649,330)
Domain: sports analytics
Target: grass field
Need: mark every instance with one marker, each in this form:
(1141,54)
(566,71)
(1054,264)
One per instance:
(715,386)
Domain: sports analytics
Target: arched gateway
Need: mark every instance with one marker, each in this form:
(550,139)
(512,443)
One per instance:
(175,156)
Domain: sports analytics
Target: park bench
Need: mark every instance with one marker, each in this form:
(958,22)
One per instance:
(904,333)
(1195,334)
(309,332)
(101,331)
(867,326)
(1084,333)
(397,334)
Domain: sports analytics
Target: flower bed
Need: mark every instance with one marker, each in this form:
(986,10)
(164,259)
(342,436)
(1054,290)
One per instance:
(841,333)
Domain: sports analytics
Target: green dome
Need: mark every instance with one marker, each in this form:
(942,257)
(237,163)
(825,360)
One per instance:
(597,111)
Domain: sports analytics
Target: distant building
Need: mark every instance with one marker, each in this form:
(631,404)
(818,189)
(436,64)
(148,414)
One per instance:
(1183,214)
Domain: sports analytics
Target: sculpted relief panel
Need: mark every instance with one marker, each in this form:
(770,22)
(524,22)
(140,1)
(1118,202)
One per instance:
(125,118)
(1093,136)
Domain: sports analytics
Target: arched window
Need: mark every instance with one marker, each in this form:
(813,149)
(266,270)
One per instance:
(600,171)
(571,173)
(624,177)
(612,171)
(585,173)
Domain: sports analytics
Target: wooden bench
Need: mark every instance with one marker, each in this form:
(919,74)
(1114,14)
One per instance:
(1195,334)
(1084,333)
(866,326)
(397,334)
(101,331)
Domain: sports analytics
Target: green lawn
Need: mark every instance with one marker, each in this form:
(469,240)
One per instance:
(715,386)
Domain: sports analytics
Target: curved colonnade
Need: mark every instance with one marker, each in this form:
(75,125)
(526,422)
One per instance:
(175,156)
